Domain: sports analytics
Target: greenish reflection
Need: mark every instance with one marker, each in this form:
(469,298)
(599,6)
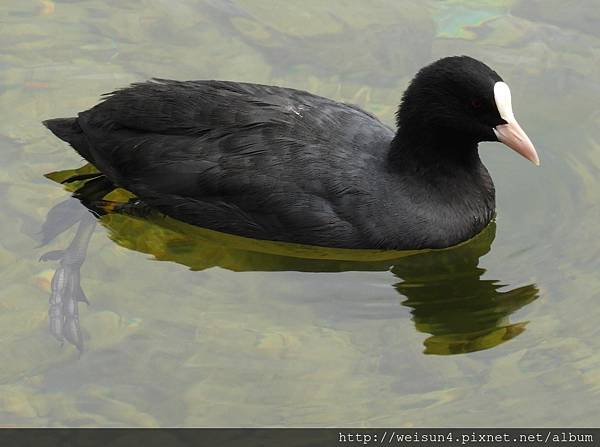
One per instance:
(444,289)
(450,300)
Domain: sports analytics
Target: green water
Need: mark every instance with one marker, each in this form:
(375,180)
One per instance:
(501,331)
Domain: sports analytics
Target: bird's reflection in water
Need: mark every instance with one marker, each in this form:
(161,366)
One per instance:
(445,290)
(451,301)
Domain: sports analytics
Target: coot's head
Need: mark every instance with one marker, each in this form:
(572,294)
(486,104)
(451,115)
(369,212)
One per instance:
(459,101)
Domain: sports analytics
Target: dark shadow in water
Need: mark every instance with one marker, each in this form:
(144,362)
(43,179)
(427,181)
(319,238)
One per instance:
(444,289)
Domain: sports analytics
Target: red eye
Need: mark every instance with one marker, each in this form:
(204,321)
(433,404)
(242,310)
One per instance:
(476,103)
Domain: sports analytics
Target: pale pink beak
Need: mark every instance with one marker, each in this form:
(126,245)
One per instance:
(511,133)
(514,137)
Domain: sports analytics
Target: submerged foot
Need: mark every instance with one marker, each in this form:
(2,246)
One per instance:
(66,292)
(63,312)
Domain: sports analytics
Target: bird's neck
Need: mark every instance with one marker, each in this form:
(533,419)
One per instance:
(448,166)
(432,152)
(449,173)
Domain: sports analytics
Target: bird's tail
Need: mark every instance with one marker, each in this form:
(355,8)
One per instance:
(68,129)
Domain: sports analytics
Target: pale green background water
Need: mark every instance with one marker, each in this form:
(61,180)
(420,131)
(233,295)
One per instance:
(166,346)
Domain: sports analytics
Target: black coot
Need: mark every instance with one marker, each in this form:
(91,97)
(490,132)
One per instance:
(281,164)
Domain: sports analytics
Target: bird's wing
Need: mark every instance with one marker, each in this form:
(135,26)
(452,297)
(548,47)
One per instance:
(244,158)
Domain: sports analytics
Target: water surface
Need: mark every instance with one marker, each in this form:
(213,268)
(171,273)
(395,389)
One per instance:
(223,331)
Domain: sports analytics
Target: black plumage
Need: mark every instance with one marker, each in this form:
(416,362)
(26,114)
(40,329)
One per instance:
(281,164)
